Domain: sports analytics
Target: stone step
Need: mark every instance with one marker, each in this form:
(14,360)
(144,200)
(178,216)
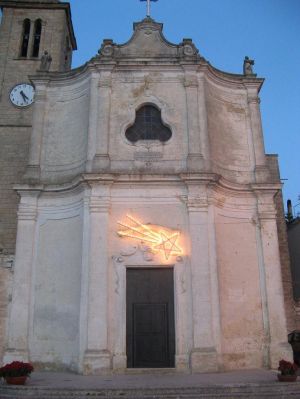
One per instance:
(243,391)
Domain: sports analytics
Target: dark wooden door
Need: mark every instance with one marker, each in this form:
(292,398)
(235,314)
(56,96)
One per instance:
(150,337)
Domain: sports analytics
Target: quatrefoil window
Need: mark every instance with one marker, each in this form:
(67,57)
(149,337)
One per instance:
(148,125)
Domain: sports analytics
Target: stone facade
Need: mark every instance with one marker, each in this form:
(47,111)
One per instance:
(15,122)
(208,193)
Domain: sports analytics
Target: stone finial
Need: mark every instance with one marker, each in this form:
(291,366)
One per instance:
(248,67)
(46,60)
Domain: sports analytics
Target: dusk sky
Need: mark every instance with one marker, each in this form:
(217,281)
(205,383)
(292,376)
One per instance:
(224,31)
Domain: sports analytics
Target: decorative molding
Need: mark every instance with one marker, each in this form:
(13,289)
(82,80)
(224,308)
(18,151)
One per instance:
(99,205)
(254,100)
(190,81)
(197,203)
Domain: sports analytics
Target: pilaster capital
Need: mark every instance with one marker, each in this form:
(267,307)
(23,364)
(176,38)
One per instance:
(105,79)
(266,208)
(254,100)
(190,81)
(99,204)
(99,196)
(197,204)
(267,215)
(105,82)
(28,207)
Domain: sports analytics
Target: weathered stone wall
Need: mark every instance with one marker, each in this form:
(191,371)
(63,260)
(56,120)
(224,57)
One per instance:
(15,125)
(292,322)
(14,144)
(294,248)
(5,297)
(229,133)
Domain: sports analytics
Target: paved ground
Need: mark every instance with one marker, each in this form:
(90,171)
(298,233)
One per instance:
(149,380)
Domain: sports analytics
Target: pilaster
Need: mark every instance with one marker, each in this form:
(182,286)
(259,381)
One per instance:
(18,329)
(101,160)
(204,136)
(34,161)
(203,354)
(195,158)
(261,170)
(97,357)
(93,119)
(275,346)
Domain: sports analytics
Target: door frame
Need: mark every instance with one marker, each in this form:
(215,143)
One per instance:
(182,310)
(170,320)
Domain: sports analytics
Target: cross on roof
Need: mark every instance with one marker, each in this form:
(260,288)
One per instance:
(148,6)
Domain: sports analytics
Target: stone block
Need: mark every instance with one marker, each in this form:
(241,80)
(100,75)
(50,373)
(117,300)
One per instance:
(204,360)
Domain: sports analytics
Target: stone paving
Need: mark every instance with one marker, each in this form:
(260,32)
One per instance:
(142,379)
(151,384)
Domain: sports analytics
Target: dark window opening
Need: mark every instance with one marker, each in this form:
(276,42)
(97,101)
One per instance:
(148,125)
(25,38)
(36,38)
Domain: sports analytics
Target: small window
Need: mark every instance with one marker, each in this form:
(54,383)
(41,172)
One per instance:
(36,38)
(25,38)
(148,125)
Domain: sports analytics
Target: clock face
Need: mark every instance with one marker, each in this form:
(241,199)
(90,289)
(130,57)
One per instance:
(22,95)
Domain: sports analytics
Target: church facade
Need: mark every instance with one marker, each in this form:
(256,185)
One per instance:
(147,226)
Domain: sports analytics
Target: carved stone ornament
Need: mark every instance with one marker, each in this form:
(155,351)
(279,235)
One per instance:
(107,48)
(188,48)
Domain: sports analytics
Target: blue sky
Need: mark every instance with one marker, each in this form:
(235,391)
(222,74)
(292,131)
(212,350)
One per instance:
(224,31)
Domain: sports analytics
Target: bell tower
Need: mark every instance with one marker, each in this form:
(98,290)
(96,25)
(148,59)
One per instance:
(28,28)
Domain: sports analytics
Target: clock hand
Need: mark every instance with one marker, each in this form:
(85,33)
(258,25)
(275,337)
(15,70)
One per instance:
(25,98)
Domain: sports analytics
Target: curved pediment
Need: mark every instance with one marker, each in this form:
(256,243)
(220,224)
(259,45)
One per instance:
(148,42)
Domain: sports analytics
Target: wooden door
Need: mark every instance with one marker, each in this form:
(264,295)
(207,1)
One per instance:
(150,327)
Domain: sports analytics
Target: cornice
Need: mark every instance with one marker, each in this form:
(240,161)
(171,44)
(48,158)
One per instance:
(211,179)
(228,79)
(61,78)
(264,187)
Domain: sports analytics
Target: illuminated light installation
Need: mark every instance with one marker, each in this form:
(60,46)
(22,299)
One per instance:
(156,237)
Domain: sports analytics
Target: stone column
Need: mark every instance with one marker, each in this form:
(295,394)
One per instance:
(195,158)
(101,160)
(18,328)
(97,357)
(34,162)
(261,170)
(271,280)
(93,119)
(203,354)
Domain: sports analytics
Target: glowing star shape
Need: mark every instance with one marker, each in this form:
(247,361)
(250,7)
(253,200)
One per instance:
(168,245)
(155,237)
